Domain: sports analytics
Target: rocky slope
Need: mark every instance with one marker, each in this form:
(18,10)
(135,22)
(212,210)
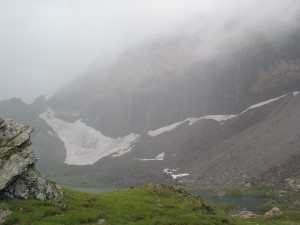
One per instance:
(18,176)
(214,150)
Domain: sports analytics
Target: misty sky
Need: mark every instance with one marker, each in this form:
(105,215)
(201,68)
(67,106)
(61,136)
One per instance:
(46,43)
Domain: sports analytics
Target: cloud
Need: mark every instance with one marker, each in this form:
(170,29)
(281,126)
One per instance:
(47,43)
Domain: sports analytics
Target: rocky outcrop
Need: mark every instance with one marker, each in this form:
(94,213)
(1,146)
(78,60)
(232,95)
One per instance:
(4,214)
(274,212)
(292,184)
(18,176)
(244,214)
(283,74)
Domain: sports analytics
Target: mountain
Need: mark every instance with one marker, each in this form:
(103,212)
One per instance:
(214,150)
(162,112)
(165,81)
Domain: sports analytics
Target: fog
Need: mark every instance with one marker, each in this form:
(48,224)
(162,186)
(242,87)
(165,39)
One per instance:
(46,43)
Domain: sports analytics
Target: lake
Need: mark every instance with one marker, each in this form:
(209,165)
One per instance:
(248,202)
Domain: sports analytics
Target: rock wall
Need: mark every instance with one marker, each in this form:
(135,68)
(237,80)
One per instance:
(18,176)
(284,74)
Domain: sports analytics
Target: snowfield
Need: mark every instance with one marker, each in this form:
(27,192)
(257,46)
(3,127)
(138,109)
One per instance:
(218,118)
(159,157)
(174,176)
(85,145)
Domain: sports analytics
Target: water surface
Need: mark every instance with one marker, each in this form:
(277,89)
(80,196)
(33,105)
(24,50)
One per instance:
(248,202)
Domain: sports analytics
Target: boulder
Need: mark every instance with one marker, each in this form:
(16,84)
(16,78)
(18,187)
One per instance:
(292,184)
(248,185)
(274,212)
(244,214)
(19,178)
(4,214)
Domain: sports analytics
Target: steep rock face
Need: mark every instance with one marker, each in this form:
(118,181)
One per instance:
(18,176)
(46,145)
(282,75)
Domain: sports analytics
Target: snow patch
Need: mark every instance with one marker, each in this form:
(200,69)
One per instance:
(175,176)
(159,157)
(84,144)
(218,118)
(161,130)
(262,103)
(170,171)
(295,93)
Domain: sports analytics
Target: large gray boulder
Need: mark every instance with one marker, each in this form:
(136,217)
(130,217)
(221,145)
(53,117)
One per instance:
(18,175)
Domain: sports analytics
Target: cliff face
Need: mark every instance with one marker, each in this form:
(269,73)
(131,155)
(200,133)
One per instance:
(283,74)
(18,176)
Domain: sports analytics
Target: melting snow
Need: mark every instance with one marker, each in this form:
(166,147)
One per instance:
(175,176)
(218,118)
(191,121)
(170,171)
(84,144)
(262,103)
(158,157)
(179,175)
(164,129)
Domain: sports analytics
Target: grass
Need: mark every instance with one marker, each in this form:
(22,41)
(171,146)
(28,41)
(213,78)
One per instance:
(147,205)
(288,218)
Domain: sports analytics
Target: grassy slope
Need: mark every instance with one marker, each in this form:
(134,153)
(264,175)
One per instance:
(146,205)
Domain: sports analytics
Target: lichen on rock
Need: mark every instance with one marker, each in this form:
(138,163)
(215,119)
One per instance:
(18,176)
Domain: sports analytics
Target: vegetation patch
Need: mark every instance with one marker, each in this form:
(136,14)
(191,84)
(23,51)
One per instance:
(150,204)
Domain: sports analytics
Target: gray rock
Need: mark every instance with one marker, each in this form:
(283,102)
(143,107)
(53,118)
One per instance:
(248,185)
(18,176)
(101,220)
(4,214)
(274,212)
(244,214)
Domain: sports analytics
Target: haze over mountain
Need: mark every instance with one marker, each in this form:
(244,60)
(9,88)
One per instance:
(46,44)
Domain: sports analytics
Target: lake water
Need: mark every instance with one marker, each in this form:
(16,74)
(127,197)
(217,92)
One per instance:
(247,202)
